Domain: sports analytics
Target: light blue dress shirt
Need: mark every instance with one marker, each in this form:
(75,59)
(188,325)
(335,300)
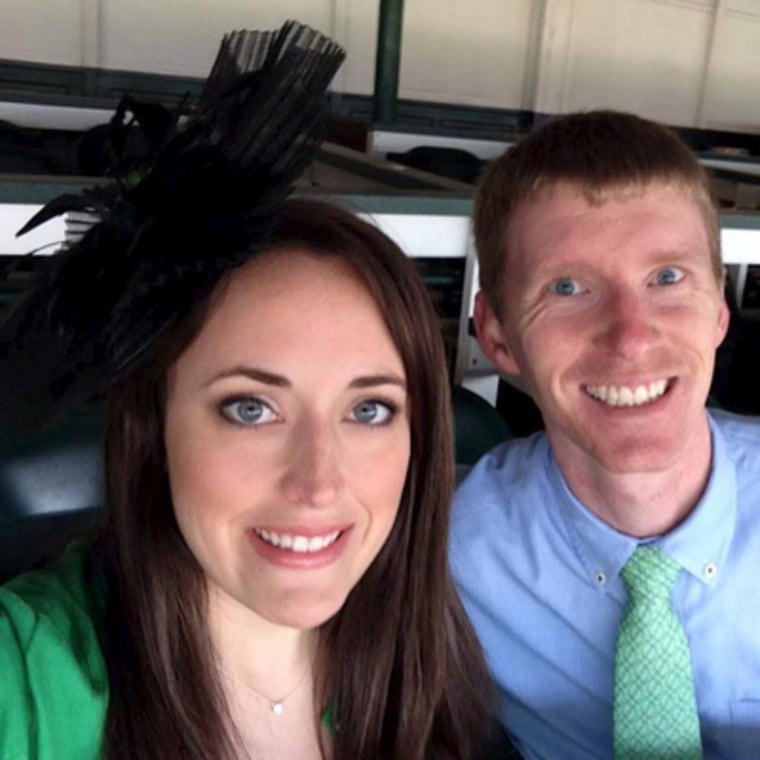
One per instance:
(539,577)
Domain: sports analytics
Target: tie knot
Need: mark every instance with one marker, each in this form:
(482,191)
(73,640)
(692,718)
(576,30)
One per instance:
(649,574)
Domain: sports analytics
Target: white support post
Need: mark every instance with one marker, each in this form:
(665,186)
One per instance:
(89,15)
(554,55)
(701,118)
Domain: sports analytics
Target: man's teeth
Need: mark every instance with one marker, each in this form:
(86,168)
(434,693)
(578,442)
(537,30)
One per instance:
(624,395)
(300,544)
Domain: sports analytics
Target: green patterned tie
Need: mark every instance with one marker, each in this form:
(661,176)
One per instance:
(655,710)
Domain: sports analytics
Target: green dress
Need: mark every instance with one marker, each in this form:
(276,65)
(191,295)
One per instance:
(53,682)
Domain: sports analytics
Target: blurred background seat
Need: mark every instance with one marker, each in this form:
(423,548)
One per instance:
(478,427)
(448,162)
(51,488)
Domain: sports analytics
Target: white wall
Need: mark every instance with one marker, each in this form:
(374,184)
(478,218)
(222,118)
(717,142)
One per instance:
(181,36)
(473,53)
(48,31)
(637,55)
(732,93)
(685,62)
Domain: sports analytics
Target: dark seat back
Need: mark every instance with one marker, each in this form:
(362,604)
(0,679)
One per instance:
(51,488)
(478,426)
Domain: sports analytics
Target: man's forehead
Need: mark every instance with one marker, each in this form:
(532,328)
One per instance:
(596,194)
(561,211)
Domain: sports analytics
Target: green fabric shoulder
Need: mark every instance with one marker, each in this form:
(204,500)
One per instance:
(54,687)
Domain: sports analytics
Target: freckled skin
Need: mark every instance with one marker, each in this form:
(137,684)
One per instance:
(620,293)
(312,460)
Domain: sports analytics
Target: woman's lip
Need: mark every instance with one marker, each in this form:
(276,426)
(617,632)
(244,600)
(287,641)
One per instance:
(287,558)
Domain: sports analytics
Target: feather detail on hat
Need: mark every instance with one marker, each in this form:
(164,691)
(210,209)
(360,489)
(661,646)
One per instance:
(207,203)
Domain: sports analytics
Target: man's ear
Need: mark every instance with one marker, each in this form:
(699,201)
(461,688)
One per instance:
(724,318)
(491,336)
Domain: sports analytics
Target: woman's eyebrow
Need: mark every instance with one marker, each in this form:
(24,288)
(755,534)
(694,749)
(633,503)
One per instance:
(252,373)
(271,378)
(369,381)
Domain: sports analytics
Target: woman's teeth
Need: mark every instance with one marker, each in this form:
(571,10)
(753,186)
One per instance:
(624,395)
(296,543)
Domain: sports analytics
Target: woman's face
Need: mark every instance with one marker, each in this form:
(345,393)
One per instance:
(287,437)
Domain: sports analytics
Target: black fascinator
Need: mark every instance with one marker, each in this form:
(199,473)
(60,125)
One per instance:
(209,199)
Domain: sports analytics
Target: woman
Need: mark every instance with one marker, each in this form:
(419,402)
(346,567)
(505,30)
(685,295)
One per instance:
(271,581)
(273,575)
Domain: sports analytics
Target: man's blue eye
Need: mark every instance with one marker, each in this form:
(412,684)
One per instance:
(668,276)
(565,287)
(247,411)
(371,412)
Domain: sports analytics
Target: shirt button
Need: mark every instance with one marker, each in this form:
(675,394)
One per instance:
(600,578)
(710,570)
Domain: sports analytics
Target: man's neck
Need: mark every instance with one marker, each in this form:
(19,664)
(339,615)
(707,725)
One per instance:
(640,504)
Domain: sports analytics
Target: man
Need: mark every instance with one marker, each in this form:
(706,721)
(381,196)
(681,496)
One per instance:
(602,287)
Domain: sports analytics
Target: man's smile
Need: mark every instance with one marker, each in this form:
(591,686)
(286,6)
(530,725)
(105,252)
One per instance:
(627,395)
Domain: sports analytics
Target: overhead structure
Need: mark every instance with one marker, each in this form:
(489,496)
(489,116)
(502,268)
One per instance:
(388,60)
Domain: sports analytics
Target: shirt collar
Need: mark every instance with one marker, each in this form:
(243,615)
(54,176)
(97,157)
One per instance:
(699,544)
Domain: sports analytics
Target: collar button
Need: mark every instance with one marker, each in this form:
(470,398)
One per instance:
(709,571)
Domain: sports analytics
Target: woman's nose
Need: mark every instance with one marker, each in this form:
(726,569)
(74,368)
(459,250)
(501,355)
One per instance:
(312,473)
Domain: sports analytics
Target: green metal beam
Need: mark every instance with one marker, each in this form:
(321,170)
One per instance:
(388,60)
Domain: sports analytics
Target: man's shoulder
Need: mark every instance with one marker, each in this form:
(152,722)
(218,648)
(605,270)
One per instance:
(502,477)
(740,424)
(741,433)
(510,460)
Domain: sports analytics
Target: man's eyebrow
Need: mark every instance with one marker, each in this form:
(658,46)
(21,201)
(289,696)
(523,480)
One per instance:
(680,252)
(369,381)
(252,373)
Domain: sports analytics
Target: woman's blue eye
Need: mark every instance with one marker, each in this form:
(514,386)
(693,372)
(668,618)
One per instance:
(247,411)
(372,412)
(565,286)
(668,276)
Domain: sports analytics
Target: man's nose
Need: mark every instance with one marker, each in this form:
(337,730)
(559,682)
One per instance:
(627,326)
(312,471)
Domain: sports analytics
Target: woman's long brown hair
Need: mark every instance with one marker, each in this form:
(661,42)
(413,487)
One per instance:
(398,666)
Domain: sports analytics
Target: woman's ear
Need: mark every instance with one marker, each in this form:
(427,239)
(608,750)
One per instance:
(492,337)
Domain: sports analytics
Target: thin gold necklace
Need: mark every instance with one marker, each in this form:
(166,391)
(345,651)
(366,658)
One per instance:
(277,706)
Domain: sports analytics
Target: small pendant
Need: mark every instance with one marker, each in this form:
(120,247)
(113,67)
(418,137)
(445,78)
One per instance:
(276,708)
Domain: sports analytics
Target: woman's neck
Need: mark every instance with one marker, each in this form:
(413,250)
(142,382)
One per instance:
(266,657)
(267,676)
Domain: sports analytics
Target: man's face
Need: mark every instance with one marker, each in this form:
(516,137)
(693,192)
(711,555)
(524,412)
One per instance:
(611,313)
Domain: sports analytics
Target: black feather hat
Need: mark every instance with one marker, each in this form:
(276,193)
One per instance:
(209,199)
